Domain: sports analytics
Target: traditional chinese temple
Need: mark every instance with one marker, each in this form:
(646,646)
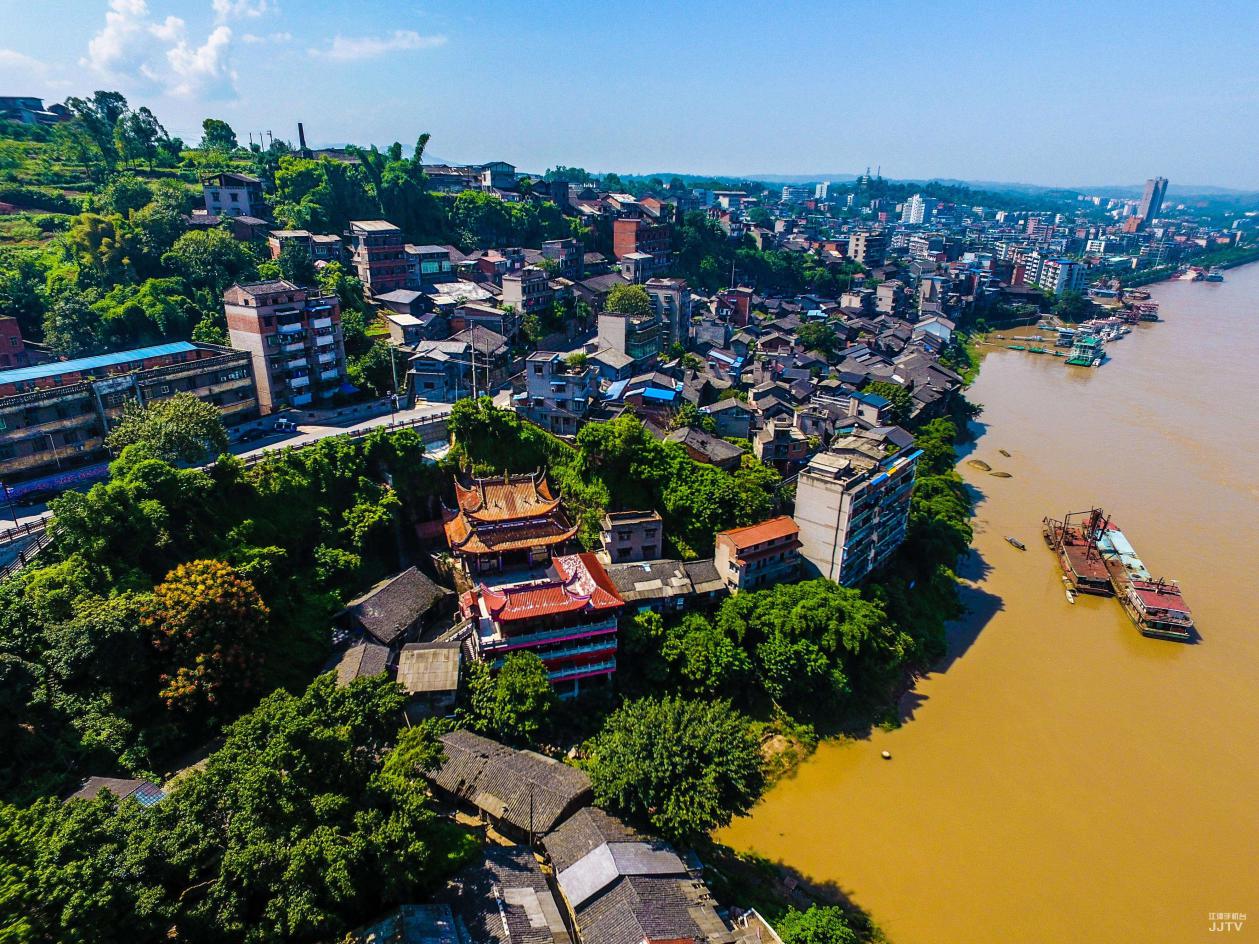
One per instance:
(505,522)
(568,618)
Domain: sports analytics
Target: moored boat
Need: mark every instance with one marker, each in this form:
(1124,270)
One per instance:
(1155,605)
(1073,539)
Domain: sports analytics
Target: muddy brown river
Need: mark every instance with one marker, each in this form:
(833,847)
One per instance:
(1060,777)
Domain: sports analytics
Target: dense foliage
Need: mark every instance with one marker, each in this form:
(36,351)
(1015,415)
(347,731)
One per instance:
(684,767)
(273,841)
(169,587)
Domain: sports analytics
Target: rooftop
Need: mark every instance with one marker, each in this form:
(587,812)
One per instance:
(373,226)
(771,530)
(95,362)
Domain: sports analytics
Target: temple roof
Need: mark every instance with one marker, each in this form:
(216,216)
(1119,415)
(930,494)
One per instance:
(576,582)
(506,498)
(465,537)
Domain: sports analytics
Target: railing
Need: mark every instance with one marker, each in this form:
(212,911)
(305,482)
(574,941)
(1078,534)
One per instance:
(588,669)
(25,530)
(27,554)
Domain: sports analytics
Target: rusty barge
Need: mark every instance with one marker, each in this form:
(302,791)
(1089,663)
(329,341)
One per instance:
(1073,539)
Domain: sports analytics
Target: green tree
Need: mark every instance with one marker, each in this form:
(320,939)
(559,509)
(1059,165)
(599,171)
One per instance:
(630,300)
(1074,307)
(217,135)
(818,337)
(296,264)
(513,704)
(821,924)
(210,260)
(374,370)
(72,328)
(123,194)
(689,415)
(708,661)
(181,428)
(899,396)
(206,621)
(683,767)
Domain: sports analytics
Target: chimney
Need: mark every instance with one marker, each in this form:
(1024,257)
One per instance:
(301,135)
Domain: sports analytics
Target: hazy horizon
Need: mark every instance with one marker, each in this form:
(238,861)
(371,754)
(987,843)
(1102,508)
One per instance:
(1044,96)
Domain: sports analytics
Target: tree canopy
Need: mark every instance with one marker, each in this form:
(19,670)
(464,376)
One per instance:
(182,428)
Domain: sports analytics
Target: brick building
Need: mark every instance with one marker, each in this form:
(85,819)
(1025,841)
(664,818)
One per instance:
(378,252)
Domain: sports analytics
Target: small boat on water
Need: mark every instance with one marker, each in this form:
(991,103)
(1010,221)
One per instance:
(1070,596)
(1016,543)
(1214,275)
(1004,453)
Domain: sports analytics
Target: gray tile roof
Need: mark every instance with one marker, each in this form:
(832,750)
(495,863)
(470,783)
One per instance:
(361,661)
(524,789)
(582,833)
(505,900)
(386,610)
(428,667)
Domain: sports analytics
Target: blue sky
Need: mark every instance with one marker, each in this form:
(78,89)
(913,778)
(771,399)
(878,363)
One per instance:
(1059,93)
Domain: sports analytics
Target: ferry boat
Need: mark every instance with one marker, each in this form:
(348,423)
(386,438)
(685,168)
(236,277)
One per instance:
(1088,351)
(1074,540)
(1146,311)
(1192,274)
(1214,274)
(1066,337)
(1155,605)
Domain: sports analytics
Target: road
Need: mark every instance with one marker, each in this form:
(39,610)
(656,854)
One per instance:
(312,426)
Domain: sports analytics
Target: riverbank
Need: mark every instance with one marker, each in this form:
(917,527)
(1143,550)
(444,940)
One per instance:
(1059,766)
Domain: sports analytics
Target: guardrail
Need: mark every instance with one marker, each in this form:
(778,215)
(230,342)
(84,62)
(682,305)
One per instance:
(25,530)
(27,554)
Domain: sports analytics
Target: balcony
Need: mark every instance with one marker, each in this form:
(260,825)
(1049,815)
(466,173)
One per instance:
(327,357)
(591,668)
(329,374)
(530,640)
(290,328)
(297,362)
(298,382)
(293,348)
(323,340)
(321,323)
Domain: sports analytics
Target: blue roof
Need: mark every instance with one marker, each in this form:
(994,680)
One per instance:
(84,364)
(873,399)
(651,393)
(615,390)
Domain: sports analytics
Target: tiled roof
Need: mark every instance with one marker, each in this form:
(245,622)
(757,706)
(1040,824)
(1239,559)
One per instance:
(519,787)
(770,530)
(505,900)
(578,583)
(582,833)
(361,661)
(464,538)
(386,610)
(516,496)
(426,667)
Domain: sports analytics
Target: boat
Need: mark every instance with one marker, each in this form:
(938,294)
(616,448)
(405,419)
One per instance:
(1192,274)
(1214,275)
(1155,605)
(1036,350)
(1073,540)
(1087,351)
(1017,543)
(1017,347)
(1004,453)
(1070,596)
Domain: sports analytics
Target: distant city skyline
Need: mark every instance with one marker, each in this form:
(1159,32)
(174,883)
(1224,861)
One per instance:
(1070,95)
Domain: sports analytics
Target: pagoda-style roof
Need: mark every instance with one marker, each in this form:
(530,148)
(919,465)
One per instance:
(511,513)
(576,582)
(505,499)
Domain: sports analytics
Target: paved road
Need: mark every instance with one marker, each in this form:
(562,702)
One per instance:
(311,427)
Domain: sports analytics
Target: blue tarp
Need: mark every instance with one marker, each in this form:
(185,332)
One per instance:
(96,362)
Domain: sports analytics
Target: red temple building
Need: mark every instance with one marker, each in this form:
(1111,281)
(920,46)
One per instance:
(513,521)
(568,618)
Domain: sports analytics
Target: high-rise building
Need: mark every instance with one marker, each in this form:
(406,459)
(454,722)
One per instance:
(794,194)
(671,300)
(822,191)
(867,247)
(919,209)
(1152,199)
(852,505)
(378,251)
(294,337)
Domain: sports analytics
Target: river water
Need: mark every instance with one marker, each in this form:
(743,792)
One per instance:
(1061,777)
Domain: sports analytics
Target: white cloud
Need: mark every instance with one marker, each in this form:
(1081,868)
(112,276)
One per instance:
(352,48)
(134,48)
(254,38)
(241,9)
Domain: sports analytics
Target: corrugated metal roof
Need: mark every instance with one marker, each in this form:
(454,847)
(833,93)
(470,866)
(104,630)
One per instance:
(97,361)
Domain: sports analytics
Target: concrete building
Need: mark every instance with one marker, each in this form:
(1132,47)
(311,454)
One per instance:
(557,394)
(759,555)
(632,536)
(634,336)
(55,416)
(919,209)
(528,291)
(867,247)
(1061,275)
(378,253)
(230,194)
(852,505)
(428,265)
(781,445)
(294,337)
(794,194)
(318,247)
(635,234)
(671,300)
(822,191)
(12,347)
(469,363)
(1152,198)
(568,255)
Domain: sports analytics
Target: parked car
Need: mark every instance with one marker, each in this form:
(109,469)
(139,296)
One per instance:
(283,425)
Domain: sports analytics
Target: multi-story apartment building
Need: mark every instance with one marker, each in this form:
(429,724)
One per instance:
(568,254)
(56,415)
(378,252)
(557,394)
(320,248)
(867,247)
(759,555)
(636,234)
(919,209)
(632,536)
(637,337)
(568,618)
(1061,275)
(852,505)
(12,347)
(231,194)
(527,290)
(792,194)
(294,337)
(428,265)
(469,363)
(482,315)
(671,301)
(781,445)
